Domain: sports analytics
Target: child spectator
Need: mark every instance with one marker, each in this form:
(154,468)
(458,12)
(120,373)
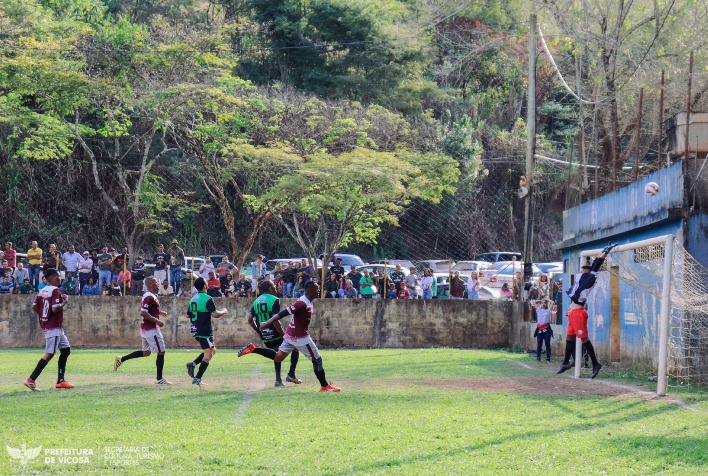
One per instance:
(403,292)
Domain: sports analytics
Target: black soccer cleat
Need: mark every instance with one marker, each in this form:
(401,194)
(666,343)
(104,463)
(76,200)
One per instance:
(596,370)
(279,383)
(564,368)
(190,369)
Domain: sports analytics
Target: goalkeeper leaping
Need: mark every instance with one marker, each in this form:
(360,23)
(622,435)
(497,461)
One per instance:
(578,316)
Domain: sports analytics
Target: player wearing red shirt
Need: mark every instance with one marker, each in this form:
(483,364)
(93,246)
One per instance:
(296,336)
(49,306)
(578,316)
(149,331)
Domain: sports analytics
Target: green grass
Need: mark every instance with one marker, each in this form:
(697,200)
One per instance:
(433,411)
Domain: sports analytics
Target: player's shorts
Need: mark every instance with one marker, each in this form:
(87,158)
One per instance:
(153,341)
(304,344)
(55,339)
(205,342)
(578,323)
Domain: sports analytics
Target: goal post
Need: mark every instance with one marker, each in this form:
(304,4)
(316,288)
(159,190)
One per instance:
(665,304)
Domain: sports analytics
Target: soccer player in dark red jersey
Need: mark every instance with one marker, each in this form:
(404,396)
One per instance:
(49,306)
(150,331)
(296,336)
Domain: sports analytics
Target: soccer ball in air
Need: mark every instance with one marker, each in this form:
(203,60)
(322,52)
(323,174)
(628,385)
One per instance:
(652,188)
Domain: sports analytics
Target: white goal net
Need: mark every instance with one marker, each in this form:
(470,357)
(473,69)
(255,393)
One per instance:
(639,272)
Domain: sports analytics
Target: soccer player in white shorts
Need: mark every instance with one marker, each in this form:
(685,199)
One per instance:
(150,334)
(296,336)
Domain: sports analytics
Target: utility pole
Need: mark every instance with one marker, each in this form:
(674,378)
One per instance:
(530,150)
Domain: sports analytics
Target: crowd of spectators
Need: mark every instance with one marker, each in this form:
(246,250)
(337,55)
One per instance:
(107,272)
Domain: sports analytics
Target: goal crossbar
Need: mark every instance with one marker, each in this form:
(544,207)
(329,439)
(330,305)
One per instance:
(668,242)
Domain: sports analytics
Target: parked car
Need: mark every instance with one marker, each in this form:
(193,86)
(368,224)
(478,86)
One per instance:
(486,293)
(348,260)
(405,264)
(375,268)
(186,266)
(270,264)
(469,266)
(503,272)
(437,265)
(496,256)
(547,267)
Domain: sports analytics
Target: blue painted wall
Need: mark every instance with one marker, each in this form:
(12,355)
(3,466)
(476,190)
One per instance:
(698,238)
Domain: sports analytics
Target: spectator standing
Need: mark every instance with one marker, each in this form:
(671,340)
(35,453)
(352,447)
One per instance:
(411,283)
(34,260)
(398,276)
(355,277)
(307,273)
(120,264)
(91,288)
(94,258)
(457,286)
(473,286)
(366,285)
(382,283)
(11,255)
(137,277)
(403,292)
(258,269)
(125,281)
(20,274)
(542,288)
(52,258)
(160,259)
(337,269)
(70,286)
(165,289)
(223,268)
(392,291)
(85,269)
(70,259)
(105,261)
(176,262)
(25,287)
(205,267)
(543,332)
(289,278)
(426,284)
(7,286)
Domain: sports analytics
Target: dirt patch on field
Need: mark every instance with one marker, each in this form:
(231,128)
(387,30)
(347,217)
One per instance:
(544,386)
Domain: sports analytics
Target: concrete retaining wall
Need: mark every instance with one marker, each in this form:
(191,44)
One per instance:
(347,323)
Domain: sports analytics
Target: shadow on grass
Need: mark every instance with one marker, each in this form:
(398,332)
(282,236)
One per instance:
(671,450)
(606,420)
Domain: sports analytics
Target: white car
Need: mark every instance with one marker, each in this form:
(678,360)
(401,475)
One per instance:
(466,267)
(503,272)
(486,293)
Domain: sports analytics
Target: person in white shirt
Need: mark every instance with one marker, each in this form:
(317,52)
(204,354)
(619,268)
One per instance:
(70,259)
(473,286)
(165,289)
(543,332)
(426,284)
(85,269)
(206,267)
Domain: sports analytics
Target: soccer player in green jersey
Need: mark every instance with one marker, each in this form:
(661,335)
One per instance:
(264,307)
(201,310)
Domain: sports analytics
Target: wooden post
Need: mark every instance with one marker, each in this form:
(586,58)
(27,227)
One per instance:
(688,105)
(638,136)
(659,147)
(530,145)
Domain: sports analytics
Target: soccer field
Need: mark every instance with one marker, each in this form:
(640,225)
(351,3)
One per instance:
(430,411)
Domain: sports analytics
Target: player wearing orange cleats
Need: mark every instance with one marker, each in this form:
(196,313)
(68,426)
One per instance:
(296,336)
(49,306)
